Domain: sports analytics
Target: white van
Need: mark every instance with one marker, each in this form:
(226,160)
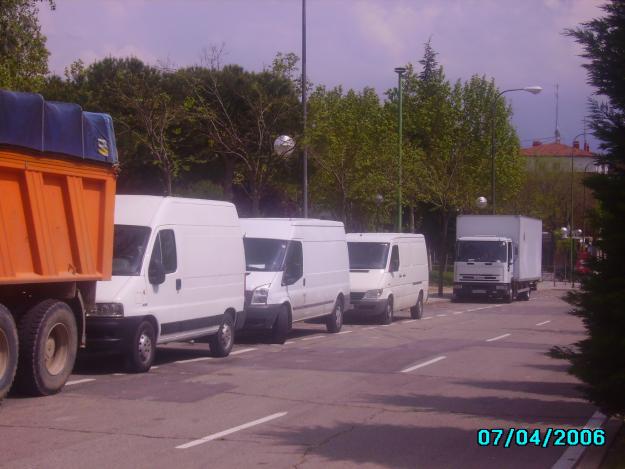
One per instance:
(178,274)
(388,272)
(298,270)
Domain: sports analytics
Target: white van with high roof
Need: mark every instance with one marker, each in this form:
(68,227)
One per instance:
(388,273)
(178,274)
(298,270)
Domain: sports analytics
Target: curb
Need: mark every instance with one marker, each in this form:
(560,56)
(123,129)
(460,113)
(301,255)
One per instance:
(593,457)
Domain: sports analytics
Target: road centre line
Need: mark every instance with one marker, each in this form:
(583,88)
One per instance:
(245,350)
(441,315)
(457,312)
(218,435)
(344,332)
(572,454)
(543,323)
(421,365)
(427,317)
(503,336)
(79,381)
(408,321)
(313,337)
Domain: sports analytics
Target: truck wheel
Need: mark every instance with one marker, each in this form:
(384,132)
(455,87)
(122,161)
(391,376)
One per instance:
(142,348)
(8,351)
(509,295)
(221,343)
(416,312)
(281,327)
(335,320)
(387,315)
(48,345)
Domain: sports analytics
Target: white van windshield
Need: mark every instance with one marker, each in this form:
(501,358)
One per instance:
(367,255)
(481,251)
(264,255)
(129,243)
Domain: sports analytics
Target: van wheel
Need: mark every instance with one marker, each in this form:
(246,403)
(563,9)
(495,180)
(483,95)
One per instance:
(281,327)
(143,348)
(416,312)
(221,343)
(48,344)
(8,351)
(387,315)
(334,322)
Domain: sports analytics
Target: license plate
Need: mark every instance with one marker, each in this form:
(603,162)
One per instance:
(479,291)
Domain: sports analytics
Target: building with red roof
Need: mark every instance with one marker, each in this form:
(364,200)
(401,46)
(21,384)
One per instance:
(557,157)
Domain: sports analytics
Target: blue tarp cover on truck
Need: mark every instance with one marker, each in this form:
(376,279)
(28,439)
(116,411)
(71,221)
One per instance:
(27,120)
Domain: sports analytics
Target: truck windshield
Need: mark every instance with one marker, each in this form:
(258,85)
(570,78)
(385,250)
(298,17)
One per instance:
(367,255)
(481,251)
(128,249)
(264,255)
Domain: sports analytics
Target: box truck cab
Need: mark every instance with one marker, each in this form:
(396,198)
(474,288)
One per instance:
(178,274)
(388,272)
(497,256)
(297,270)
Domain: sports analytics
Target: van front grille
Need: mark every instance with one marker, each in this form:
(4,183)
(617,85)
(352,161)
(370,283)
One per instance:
(356,296)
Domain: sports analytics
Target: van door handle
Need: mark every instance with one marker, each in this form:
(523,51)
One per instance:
(178,283)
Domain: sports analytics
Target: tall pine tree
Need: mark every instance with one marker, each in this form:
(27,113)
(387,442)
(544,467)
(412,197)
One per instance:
(599,359)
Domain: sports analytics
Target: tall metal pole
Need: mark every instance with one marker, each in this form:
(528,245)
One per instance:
(400,72)
(304,105)
(572,229)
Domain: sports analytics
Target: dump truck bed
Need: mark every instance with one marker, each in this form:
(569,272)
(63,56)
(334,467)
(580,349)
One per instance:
(56,218)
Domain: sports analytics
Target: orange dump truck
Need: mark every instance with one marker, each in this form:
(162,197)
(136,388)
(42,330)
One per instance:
(57,195)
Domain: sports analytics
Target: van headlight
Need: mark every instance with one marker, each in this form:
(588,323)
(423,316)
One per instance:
(260,294)
(373,294)
(106,310)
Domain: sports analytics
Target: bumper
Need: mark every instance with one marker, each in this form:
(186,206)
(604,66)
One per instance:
(110,334)
(491,290)
(369,307)
(260,316)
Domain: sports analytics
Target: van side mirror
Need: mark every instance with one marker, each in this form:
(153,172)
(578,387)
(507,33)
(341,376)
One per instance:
(156,273)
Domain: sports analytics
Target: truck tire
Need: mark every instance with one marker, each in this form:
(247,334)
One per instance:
(416,312)
(387,315)
(525,296)
(221,343)
(334,322)
(281,327)
(48,344)
(8,351)
(142,348)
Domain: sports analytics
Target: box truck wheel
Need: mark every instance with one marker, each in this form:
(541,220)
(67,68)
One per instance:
(416,312)
(281,327)
(334,322)
(8,351)
(387,315)
(48,345)
(142,348)
(221,343)
(509,295)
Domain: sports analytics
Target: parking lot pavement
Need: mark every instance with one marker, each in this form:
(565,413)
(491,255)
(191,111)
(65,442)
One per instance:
(372,396)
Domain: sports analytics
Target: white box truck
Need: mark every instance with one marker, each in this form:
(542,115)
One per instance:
(497,256)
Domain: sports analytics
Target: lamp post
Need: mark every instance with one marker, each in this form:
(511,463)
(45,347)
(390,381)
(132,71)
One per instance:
(572,180)
(529,89)
(400,73)
(379,198)
(481,202)
(305,156)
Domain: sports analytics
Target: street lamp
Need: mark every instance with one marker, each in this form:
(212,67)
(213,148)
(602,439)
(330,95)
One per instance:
(481,202)
(379,198)
(400,73)
(572,180)
(283,146)
(529,89)
(305,155)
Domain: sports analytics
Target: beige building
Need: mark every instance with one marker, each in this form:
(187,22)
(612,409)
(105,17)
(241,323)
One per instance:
(557,157)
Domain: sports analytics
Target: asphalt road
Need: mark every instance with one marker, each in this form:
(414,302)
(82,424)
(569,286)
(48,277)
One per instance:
(412,394)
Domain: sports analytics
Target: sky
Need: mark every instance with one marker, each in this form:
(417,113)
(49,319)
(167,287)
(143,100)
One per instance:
(353,43)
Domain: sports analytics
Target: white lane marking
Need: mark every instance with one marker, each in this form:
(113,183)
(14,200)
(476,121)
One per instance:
(387,325)
(154,367)
(216,436)
(543,323)
(244,350)
(121,374)
(421,365)
(79,381)
(493,339)
(344,332)
(314,337)
(572,454)
(457,312)
(427,317)
(408,321)
(441,315)
(191,360)
(368,328)
(288,342)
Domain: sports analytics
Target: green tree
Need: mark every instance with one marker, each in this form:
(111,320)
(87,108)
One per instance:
(351,142)
(23,53)
(599,359)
